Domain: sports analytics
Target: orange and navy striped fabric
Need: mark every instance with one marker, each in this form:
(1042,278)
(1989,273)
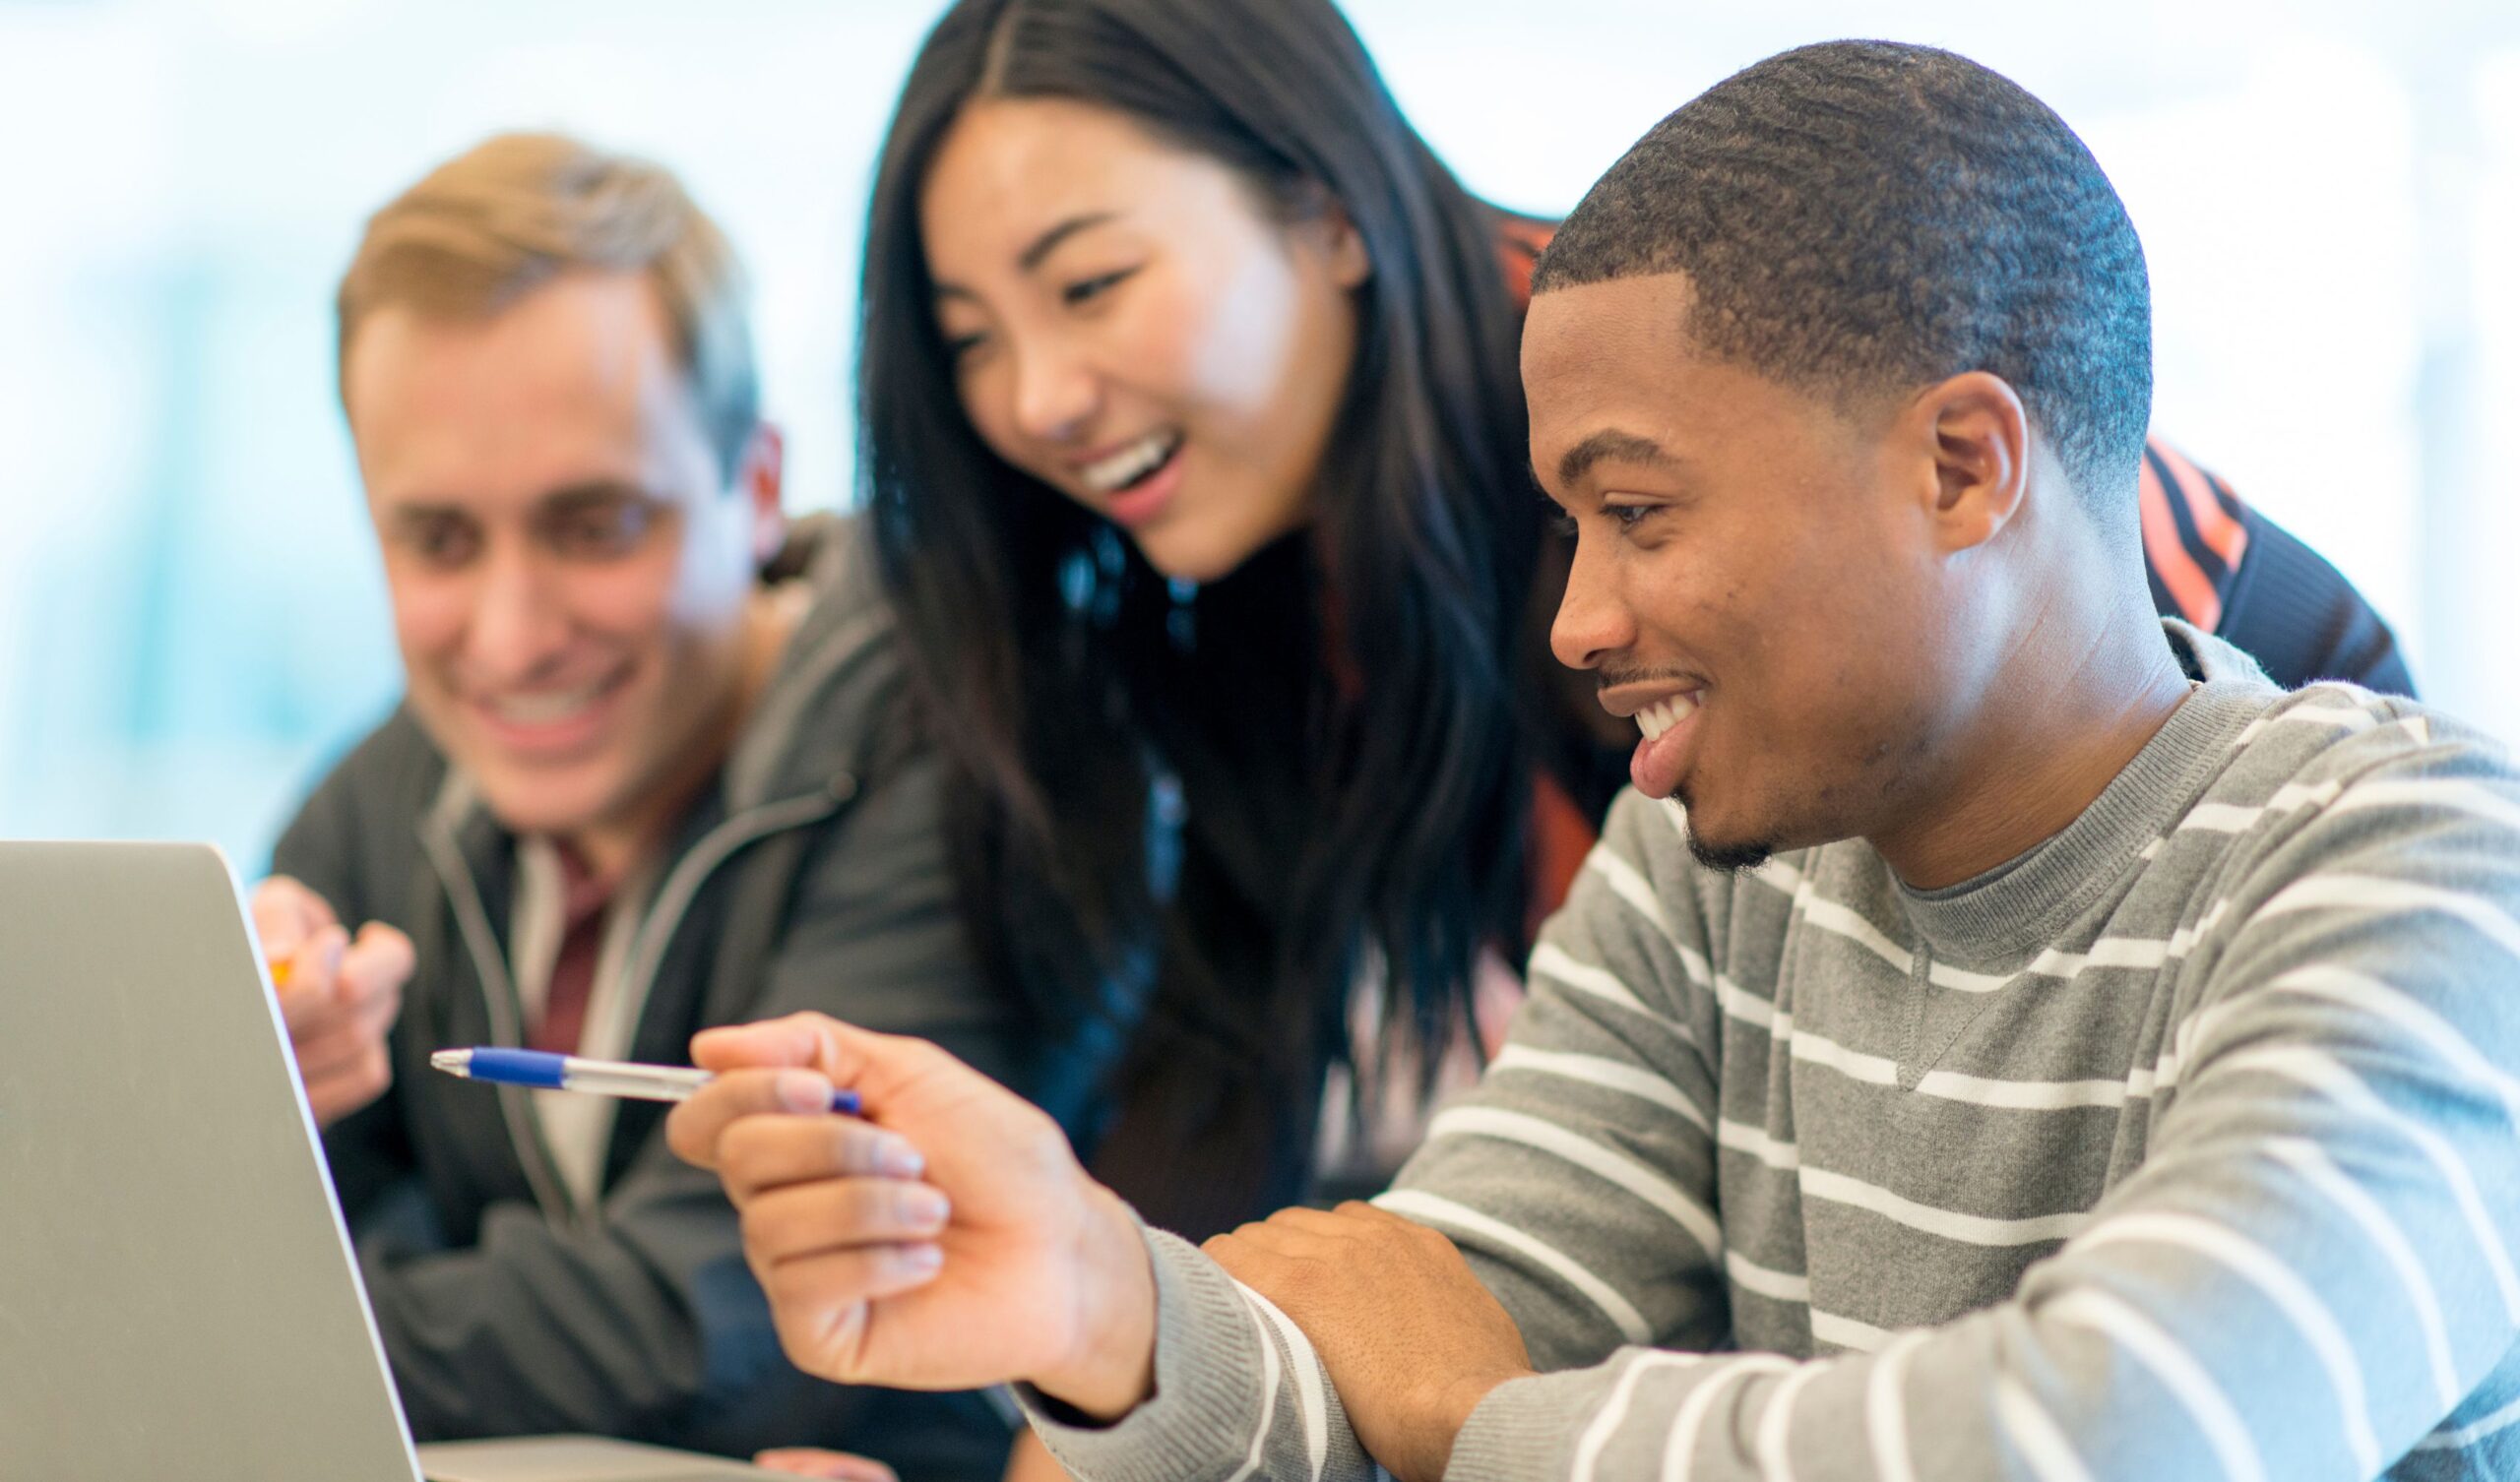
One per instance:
(1520,240)
(2195,532)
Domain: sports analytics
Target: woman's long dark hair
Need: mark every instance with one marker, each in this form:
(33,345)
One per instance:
(1342,719)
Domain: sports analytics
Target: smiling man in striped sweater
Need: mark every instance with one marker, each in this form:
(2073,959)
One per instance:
(2001,1035)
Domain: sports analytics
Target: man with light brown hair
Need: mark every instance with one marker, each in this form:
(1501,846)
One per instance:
(653,771)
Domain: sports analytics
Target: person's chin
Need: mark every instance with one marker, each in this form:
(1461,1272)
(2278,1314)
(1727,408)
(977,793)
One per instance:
(545,801)
(1186,557)
(1719,843)
(1728,856)
(1200,542)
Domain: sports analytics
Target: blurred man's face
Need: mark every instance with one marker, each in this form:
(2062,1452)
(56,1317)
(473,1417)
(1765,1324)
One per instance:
(570,572)
(1753,581)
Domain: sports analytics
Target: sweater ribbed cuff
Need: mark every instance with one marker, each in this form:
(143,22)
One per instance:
(1201,1421)
(1523,1427)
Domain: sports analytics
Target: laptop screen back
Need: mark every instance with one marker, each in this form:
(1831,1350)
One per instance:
(176,1297)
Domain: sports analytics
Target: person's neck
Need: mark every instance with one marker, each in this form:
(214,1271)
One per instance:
(612,851)
(614,848)
(2076,701)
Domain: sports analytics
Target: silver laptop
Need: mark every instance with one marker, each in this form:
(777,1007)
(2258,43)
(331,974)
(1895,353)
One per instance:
(178,1296)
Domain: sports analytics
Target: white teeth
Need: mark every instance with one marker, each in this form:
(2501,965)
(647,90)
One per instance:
(546,709)
(1656,719)
(1131,464)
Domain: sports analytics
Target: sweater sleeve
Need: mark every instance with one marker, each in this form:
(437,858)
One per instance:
(2309,1277)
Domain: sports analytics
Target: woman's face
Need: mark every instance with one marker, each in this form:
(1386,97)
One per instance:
(1132,325)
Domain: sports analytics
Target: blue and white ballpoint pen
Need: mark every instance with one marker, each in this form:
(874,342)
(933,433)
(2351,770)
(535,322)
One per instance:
(544,1071)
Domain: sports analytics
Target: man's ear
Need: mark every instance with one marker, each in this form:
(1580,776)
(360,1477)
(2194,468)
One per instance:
(1975,430)
(761,481)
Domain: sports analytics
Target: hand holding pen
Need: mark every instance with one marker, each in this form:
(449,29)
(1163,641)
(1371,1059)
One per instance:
(949,1241)
(338,994)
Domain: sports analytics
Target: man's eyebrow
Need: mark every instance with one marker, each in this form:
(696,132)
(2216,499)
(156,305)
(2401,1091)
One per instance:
(592,491)
(413,510)
(591,496)
(561,500)
(1611,443)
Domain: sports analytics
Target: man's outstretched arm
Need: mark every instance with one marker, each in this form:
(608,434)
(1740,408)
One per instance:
(2311,1273)
(950,1240)
(1042,1276)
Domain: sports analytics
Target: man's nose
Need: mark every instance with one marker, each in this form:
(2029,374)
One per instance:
(516,624)
(1593,620)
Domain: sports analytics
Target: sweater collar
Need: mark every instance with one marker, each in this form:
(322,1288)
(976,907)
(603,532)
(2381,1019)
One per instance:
(1999,919)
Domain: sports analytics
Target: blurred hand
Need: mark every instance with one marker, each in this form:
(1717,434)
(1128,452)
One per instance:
(947,1240)
(1410,1339)
(338,995)
(806,1461)
(1031,1461)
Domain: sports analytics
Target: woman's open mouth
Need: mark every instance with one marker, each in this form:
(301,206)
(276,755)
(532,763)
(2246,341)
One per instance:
(1137,481)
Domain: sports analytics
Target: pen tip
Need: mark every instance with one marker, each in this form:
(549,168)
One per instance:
(453,1062)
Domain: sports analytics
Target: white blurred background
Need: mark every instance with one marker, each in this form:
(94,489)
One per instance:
(191,620)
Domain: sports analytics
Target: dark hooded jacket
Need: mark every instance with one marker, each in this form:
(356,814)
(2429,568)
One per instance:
(811,875)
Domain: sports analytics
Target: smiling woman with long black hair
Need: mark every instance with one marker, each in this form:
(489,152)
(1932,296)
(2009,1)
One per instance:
(1194,446)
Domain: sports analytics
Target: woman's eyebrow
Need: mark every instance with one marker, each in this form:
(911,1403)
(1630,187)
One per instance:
(1047,242)
(1040,248)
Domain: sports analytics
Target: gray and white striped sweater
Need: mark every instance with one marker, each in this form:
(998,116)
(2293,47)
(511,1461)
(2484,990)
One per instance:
(2185,1146)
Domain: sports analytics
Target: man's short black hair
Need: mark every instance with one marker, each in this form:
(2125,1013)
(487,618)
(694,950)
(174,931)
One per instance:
(1866,217)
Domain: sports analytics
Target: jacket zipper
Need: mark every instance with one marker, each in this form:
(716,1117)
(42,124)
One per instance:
(681,886)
